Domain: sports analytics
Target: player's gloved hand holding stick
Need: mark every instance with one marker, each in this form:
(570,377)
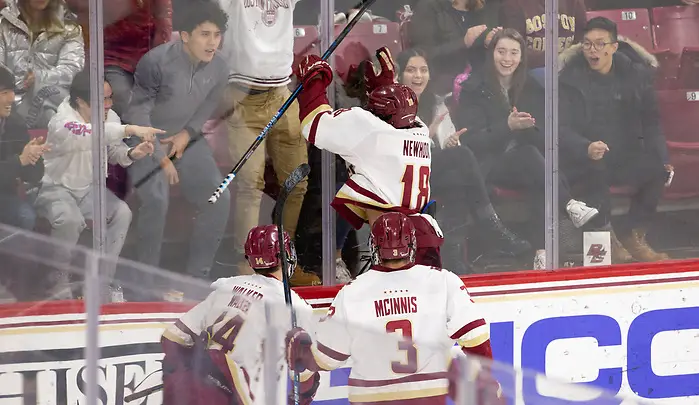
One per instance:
(298,347)
(363,6)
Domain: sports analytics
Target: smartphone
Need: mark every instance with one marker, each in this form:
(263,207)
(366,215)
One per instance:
(668,179)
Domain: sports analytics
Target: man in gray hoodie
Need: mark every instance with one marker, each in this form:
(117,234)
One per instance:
(177,87)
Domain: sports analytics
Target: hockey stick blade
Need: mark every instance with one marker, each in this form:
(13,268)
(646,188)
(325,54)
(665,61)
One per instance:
(294,178)
(246,156)
(144,393)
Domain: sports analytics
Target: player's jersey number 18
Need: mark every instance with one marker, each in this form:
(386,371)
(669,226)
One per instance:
(416,187)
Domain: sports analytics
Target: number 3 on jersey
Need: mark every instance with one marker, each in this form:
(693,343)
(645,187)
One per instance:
(405,345)
(419,189)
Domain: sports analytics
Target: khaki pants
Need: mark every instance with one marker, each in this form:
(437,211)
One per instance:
(284,144)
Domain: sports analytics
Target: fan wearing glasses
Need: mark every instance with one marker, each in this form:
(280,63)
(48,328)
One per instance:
(610,135)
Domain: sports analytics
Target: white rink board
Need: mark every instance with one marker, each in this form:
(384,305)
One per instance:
(641,331)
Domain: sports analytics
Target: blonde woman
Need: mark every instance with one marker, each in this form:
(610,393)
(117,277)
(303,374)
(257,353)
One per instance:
(44,53)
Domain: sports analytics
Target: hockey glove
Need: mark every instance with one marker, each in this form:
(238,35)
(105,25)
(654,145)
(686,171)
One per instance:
(298,349)
(387,74)
(311,68)
(307,390)
(488,390)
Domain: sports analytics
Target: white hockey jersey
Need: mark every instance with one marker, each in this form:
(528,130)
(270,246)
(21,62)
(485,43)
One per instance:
(259,43)
(237,320)
(391,166)
(428,307)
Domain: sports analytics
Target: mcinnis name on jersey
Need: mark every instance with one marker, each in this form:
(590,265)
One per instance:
(395,306)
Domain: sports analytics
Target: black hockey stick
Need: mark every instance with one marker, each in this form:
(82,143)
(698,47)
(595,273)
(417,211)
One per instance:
(144,393)
(295,177)
(158,167)
(363,7)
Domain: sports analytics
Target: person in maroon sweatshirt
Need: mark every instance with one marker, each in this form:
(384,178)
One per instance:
(132,28)
(528,17)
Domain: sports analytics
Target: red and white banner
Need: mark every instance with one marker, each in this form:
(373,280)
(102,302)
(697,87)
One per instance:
(630,329)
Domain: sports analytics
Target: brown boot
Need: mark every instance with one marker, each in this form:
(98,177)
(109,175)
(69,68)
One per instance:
(619,253)
(639,248)
(300,278)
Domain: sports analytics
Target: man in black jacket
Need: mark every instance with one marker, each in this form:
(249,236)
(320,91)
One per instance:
(20,158)
(610,130)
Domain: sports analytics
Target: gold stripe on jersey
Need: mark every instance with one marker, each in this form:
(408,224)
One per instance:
(239,384)
(176,338)
(398,395)
(475,341)
(309,118)
(324,361)
(358,211)
(347,193)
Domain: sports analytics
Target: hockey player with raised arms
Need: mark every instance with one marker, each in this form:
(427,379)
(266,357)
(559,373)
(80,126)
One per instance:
(398,323)
(214,352)
(386,144)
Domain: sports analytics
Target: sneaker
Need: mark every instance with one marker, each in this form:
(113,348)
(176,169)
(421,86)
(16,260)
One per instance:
(540,260)
(580,213)
(116,294)
(60,287)
(342,273)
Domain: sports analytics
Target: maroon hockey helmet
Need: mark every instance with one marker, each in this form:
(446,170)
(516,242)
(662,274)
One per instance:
(262,248)
(395,104)
(393,238)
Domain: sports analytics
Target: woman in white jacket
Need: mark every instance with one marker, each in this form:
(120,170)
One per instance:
(65,196)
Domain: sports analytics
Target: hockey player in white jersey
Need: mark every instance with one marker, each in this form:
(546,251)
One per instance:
(386,144)
(429,308)
(214,353)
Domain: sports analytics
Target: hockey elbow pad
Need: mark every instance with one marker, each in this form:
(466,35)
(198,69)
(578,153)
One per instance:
(482,350)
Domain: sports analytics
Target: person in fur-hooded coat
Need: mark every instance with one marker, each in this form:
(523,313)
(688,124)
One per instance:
(610,130)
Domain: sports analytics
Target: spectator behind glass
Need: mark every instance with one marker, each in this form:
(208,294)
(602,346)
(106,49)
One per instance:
(626,4)
(20,158)
(384,8)
(44,52)
(610,130)
(260,54)
(528,16)
(453,35)
(65,197)
(177,87)
(499,106)
(145,25)
(456,180)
